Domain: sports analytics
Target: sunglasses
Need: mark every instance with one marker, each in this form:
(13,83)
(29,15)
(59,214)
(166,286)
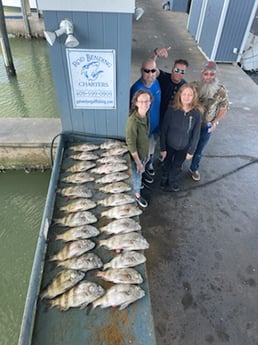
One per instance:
(209,74)
(149,70)
(178,70)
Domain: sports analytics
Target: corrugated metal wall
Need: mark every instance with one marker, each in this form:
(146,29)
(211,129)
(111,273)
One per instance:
(194,16)
(210,25)
(221,26)
(94,31)
(179,5)
(234,29)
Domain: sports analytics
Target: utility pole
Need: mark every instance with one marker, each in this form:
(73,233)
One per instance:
(6,51)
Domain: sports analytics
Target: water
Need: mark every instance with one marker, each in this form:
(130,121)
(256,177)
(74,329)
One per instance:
(22,201)
(31,94)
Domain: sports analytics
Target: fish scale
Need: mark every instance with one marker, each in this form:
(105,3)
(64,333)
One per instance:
(126,259)
(115,187)
(76,219)
(121,225)
(119,295)
(63,281)
(85,262)
(128,241)
(123,211)
(121,275)
(79,296)
(75,248)
(78,232)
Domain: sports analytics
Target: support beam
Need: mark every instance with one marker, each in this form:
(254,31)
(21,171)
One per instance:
(6,51)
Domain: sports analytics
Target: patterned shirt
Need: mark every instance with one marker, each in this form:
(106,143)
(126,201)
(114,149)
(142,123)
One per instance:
(214,104)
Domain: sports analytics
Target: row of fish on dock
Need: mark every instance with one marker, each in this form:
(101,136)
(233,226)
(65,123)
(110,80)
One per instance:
(94,189)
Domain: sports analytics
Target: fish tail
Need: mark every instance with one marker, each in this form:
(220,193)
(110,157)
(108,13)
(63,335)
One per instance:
(99,274)
(103,213)
(101,243)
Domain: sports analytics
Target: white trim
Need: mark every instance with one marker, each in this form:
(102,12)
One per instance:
(219,30)
(115,6)
(201,20)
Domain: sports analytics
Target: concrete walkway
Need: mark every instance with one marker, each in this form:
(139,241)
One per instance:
(203,262)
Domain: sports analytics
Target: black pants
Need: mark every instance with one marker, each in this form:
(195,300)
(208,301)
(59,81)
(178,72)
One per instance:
(173,165)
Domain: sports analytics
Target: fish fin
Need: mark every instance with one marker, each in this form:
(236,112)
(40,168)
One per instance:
(89,309)
(124,305)
(107,265)
(84,305)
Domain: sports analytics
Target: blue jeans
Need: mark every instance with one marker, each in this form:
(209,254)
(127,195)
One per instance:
(137,176)
(203,141)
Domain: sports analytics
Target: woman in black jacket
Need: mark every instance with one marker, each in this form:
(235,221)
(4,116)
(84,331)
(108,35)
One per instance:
(179,135)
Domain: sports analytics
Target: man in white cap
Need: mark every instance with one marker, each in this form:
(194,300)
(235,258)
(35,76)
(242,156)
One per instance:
(214,100)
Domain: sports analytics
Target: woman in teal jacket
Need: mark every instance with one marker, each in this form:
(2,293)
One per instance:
(137,131)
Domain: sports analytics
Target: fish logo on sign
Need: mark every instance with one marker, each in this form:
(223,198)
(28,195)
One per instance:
(91,70)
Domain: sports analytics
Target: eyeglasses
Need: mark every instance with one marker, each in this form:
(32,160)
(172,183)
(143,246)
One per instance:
(178,70)
(149,70)
(212,74)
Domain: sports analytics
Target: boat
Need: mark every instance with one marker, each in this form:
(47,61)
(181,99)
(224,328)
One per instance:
(109,326)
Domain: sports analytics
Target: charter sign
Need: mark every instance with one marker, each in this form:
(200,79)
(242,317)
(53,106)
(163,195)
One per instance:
(92,78)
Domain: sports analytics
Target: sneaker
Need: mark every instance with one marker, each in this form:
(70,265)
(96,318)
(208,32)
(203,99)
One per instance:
(150,169)
(141,201)
(174,188)
(147,178)
(195,175)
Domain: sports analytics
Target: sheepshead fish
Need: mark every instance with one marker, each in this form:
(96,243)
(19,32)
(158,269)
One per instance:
(78,178)
(76,219)
(79,296)
(84,156)
(62,282)
(115,187)
(111,144)
(72,249)
(81,166)
(123,225)
(116,200)
(126,259)
(116,151)
(124,211)
(84,263)
(111,159)
(81,204)
(75,192)
(121,275)
(109,168)
(119,295)
(84,147)
(128,241)
(78,233)
(113,177)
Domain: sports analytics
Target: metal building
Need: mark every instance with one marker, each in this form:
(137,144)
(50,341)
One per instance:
(92,81)
(221,27)
(176,5)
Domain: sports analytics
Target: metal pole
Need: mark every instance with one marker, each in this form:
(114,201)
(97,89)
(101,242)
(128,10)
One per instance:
(7,55)
(25,18)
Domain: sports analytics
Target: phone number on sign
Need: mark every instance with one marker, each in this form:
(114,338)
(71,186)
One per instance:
(95,93)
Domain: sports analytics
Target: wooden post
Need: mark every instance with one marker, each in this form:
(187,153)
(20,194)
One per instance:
(7,55)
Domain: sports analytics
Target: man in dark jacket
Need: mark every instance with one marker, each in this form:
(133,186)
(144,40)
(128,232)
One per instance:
(169,82)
